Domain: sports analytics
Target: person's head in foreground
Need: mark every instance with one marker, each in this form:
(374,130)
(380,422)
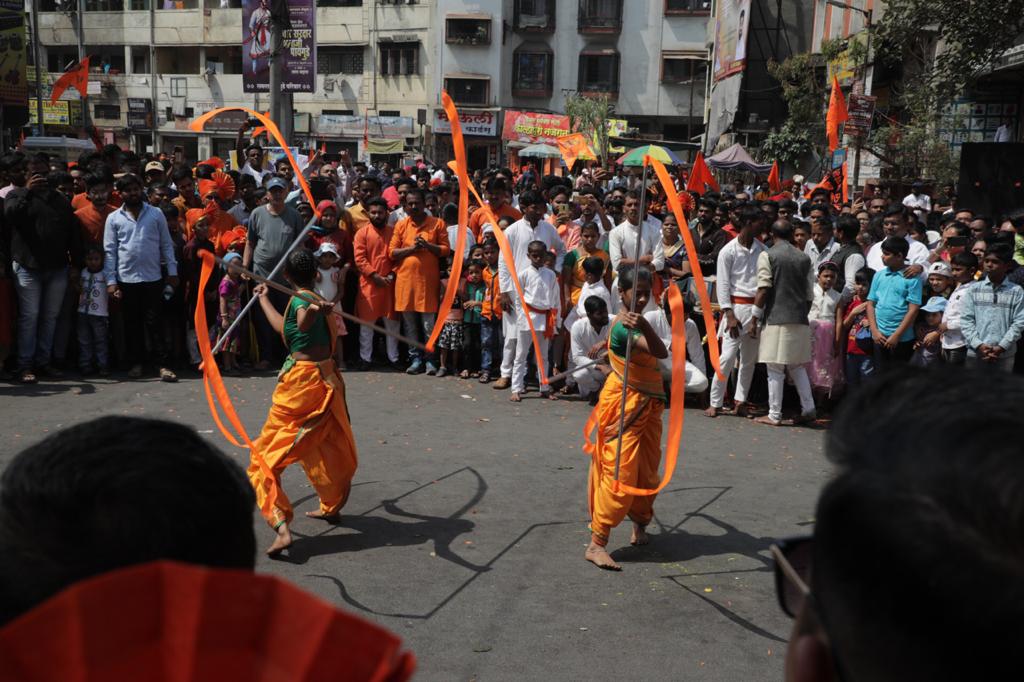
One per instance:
(114,492)
(915,568)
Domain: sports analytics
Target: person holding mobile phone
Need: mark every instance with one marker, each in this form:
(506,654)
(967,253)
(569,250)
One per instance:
(44,239)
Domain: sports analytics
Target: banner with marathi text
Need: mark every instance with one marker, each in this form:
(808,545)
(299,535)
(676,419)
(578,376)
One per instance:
(299,42)
(533,128)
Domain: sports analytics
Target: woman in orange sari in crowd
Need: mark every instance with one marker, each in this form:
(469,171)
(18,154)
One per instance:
(641,435)
(308,421)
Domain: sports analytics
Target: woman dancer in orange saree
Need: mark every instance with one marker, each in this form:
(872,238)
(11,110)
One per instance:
(641,434)
(308,420)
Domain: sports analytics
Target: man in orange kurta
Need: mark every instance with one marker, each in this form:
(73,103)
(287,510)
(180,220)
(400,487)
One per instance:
(376,296)
(418,245)
(497,200)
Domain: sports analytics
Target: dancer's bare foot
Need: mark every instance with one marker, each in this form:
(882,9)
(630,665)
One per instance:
(711,412)
(640,536)
(516,398)
(597,555)
(329,518)
(281,542)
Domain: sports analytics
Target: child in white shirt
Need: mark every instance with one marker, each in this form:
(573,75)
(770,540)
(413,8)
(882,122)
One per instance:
(330,284)
(588,336)
(540,292)
(824,367)
(92,315)
(593,274)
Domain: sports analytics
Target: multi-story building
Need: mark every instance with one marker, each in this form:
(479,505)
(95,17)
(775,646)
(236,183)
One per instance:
(381,65)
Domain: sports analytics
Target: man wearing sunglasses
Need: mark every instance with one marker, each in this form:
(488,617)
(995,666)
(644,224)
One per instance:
(914,570)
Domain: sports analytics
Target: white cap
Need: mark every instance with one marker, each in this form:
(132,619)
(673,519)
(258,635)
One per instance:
(327,247)
(940,268)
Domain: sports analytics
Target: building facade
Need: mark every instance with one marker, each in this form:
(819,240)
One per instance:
(381,66)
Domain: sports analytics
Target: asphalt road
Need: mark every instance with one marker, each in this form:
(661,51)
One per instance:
(466,528)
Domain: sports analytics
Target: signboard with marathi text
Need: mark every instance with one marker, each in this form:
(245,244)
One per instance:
(534,128)
(731,28)
(861,110)
(479,123)
(299,42)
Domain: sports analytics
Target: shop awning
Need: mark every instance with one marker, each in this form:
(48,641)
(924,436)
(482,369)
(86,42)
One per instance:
(385,146)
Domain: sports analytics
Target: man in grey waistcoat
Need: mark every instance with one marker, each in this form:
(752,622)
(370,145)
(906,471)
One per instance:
(785,290)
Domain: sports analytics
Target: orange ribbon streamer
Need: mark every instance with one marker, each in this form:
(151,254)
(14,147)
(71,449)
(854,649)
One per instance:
(272,129)
(213,384)
(462,170)
(676,413)
(691,254)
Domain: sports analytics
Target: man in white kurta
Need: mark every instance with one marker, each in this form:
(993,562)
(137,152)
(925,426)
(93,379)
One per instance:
(520,234)
(622,245)
(736,287)
(696,379)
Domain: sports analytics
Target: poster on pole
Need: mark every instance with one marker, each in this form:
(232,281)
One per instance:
(732,24)
(861,109)
(299,42)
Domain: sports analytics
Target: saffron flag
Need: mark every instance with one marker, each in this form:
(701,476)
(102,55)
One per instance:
(774,179)
(76,77)
(701,177)
(575,147)
(837,114)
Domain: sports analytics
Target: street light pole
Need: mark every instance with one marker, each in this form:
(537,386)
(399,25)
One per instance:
(39,76)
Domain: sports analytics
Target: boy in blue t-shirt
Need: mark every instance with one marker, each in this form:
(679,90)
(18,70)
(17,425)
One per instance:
(893,302)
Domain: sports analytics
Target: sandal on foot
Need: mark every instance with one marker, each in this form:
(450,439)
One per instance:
(167,375)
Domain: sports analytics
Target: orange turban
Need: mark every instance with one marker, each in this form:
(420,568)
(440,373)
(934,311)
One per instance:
(220,183)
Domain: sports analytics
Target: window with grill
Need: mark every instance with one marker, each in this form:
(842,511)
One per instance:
(682,68)
(600,16)
(599,72)
(467,31)
(109,112)
(534,15)
(399,59)
(532,73)
(468,90)
(687,6)
(333,60)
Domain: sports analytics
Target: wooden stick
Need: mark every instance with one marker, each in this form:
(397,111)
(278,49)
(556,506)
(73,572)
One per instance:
(291,292)
(632,309)
(585,365)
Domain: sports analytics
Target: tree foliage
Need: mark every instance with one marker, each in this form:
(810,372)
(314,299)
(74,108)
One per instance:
(589,114)
(804,129)
(945,44)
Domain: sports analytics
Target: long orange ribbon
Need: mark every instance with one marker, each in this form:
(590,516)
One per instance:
(198,124)
(462,170)
(676,412)
(691,254)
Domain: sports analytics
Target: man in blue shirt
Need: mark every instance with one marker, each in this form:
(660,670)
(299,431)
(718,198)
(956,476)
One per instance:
(992,318)
(137,243)
(893,302)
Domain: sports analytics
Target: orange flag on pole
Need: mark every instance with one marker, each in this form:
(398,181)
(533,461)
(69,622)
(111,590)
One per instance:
(76,77)
(574,147)
(774,179)
(701,177)
(837,114)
